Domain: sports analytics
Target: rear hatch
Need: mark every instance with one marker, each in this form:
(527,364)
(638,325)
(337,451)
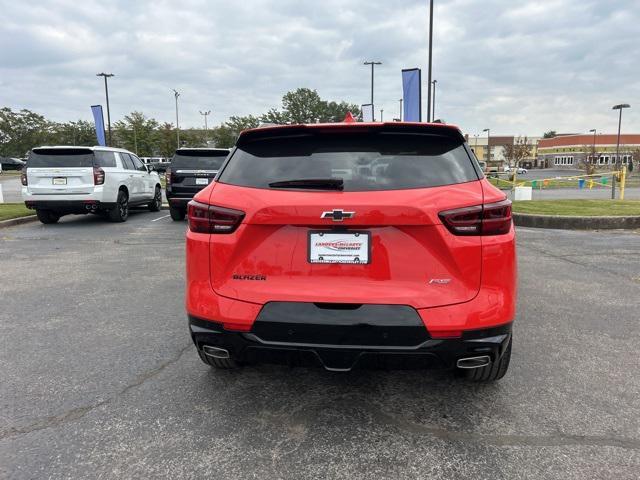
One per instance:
(60,171)
(193,169)
(359,222)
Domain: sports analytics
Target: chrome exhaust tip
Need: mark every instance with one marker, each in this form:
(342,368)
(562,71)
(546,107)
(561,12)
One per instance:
(215,352)
(87,206)
(474,362)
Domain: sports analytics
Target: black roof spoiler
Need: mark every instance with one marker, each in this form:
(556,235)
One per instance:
(393,128)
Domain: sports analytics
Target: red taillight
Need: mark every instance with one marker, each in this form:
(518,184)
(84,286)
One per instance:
(496,218)
(211,219)
(23,179)
(167,176)
(489,219)
(98,176)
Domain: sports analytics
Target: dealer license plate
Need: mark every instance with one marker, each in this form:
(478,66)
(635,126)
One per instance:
(330,247)
(202,181)
(60,181)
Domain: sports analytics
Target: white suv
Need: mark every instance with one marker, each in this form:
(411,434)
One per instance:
(62,180)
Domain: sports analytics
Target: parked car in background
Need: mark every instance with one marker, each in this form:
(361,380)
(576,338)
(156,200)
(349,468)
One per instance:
(519,170)
(352,244)
(160,164)
(71,180)
(192,169)
(9,163)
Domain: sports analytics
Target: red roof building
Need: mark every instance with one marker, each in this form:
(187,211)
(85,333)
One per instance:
(571,151)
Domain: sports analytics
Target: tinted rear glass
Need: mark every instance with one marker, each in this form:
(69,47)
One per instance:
(198,160)
(60,157)
(365,162)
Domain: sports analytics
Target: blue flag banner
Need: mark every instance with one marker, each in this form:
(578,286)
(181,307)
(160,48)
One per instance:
(98,119)
(412,95)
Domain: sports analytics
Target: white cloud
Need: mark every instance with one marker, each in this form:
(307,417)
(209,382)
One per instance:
(516,67)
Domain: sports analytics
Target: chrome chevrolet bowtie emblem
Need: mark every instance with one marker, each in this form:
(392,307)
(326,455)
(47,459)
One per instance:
(337,215)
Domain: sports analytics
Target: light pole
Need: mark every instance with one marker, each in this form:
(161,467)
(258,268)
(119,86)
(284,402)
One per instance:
(593,152)
(433,117)
(205,115)
(400,109)
(106,92)
(430,58)
(382,114)
(373,64)
(613,181)
(177,94)
(488,130)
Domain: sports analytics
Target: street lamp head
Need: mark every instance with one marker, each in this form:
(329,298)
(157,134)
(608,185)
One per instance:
(175,93)
(106,75)
(372,63)
(621,106)
(593,130)
(486,130)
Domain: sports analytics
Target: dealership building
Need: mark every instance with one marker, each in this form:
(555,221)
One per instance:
(570,151)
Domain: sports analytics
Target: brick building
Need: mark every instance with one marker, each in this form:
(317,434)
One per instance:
(571,151)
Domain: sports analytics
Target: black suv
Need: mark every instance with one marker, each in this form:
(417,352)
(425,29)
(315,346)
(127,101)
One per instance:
(191,170)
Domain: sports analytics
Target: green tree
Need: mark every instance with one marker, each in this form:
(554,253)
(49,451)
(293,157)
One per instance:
(275,116)
(74,133)
(226,134)
(193,138)
(137,133)
(21,131)
(305,106)
(550,134)
(166,140)
(335,112)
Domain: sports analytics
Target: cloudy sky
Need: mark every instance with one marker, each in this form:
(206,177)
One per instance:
(516,66)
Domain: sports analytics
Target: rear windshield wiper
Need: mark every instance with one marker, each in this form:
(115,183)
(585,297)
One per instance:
(312,183)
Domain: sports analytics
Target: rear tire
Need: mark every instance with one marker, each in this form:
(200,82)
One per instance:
(176,214)
(156,204)
(219,363)
(47,216)
(121,211)
(492,372)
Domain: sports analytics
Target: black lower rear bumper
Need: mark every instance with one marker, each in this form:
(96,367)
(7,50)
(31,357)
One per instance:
(179,203)
(335,341)
(69,206)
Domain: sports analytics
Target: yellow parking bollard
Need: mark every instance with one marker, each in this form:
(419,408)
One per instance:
(623,180)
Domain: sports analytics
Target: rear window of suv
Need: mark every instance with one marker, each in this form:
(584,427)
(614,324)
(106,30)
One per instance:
(60,157)
(364,161)
(198,160)
(66,157)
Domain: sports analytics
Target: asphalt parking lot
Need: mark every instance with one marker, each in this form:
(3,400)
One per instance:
(99,378)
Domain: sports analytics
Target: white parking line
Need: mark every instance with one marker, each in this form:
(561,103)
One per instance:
(1,196)
(160,218)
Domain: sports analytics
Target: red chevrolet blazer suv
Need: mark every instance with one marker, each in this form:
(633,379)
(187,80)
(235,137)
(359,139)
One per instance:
(352,245)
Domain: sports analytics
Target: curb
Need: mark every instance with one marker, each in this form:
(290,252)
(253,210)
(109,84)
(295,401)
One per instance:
(17,221)
(575,223)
